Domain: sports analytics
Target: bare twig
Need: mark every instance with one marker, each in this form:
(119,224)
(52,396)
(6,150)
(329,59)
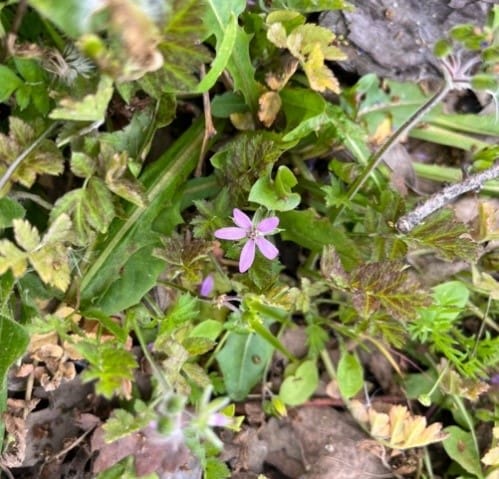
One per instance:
(474,183)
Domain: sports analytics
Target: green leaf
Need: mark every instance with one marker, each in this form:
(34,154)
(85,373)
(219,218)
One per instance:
(181,45)
(388,285)
(448,237)
(90,108)
(122,423)
(244,159)
(9,211)
(222,106)
(242,361)
(216,469)
(9,82)
(209,329)
(311,231)
(460,447)
(14,340)
(276,195)
(110,364)
(310,6)
(224,52)
(297,388)
(217,20)
(82,165)
(138,276)
(185,310)
(73,17)
(162,181)
(350,375)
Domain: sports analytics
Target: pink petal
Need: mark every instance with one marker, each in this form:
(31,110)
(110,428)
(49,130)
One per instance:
(268,224)
(241,219)
(230,233)
(247,256)
(267,248)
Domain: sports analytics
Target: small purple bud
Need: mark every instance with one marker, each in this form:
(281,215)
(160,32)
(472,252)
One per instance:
(206,286)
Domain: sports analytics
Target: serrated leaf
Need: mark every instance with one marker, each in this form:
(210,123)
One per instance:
(298,387)
(124,186)
(196,374)
(216,469)
(9,81)
(448,237)
(242,361)
(321,78)
(90,108)
(181,46)
(110,364)
(82,165)
(52,265)
(350,375)
(26,235)
(59,230)
(388,285)
(9,211)
(13,258)
(97,205)
(122,423)
(46,158)
(217,20)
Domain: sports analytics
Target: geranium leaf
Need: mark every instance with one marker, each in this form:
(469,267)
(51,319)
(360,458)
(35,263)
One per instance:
(45,159)
(26,235)
(90,108)
(387,285)
(447,236)
(12,257)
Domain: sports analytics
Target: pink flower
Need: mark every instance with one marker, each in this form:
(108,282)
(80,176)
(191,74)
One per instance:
(255,237)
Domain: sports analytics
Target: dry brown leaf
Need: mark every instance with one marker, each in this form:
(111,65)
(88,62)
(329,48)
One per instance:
(398,429)
(269,106)
(278,80)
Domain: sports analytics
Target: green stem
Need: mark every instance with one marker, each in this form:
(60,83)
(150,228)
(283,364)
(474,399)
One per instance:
(391,142)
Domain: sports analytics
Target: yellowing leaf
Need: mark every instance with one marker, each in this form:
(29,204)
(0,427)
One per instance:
(383,131)
(276,33)
(278,80)
(52,265)
(270,104)
(26,235)
(485,283)
(489,220)
(398,429)
(45,159)
(92,107)
(13,258)
(59,230)
(491,458)
(318,74)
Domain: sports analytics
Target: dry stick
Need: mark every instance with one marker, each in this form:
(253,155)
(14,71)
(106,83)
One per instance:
(392,140)
(407,222)
(209,128)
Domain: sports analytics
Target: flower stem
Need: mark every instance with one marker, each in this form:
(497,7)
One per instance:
(377,157)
